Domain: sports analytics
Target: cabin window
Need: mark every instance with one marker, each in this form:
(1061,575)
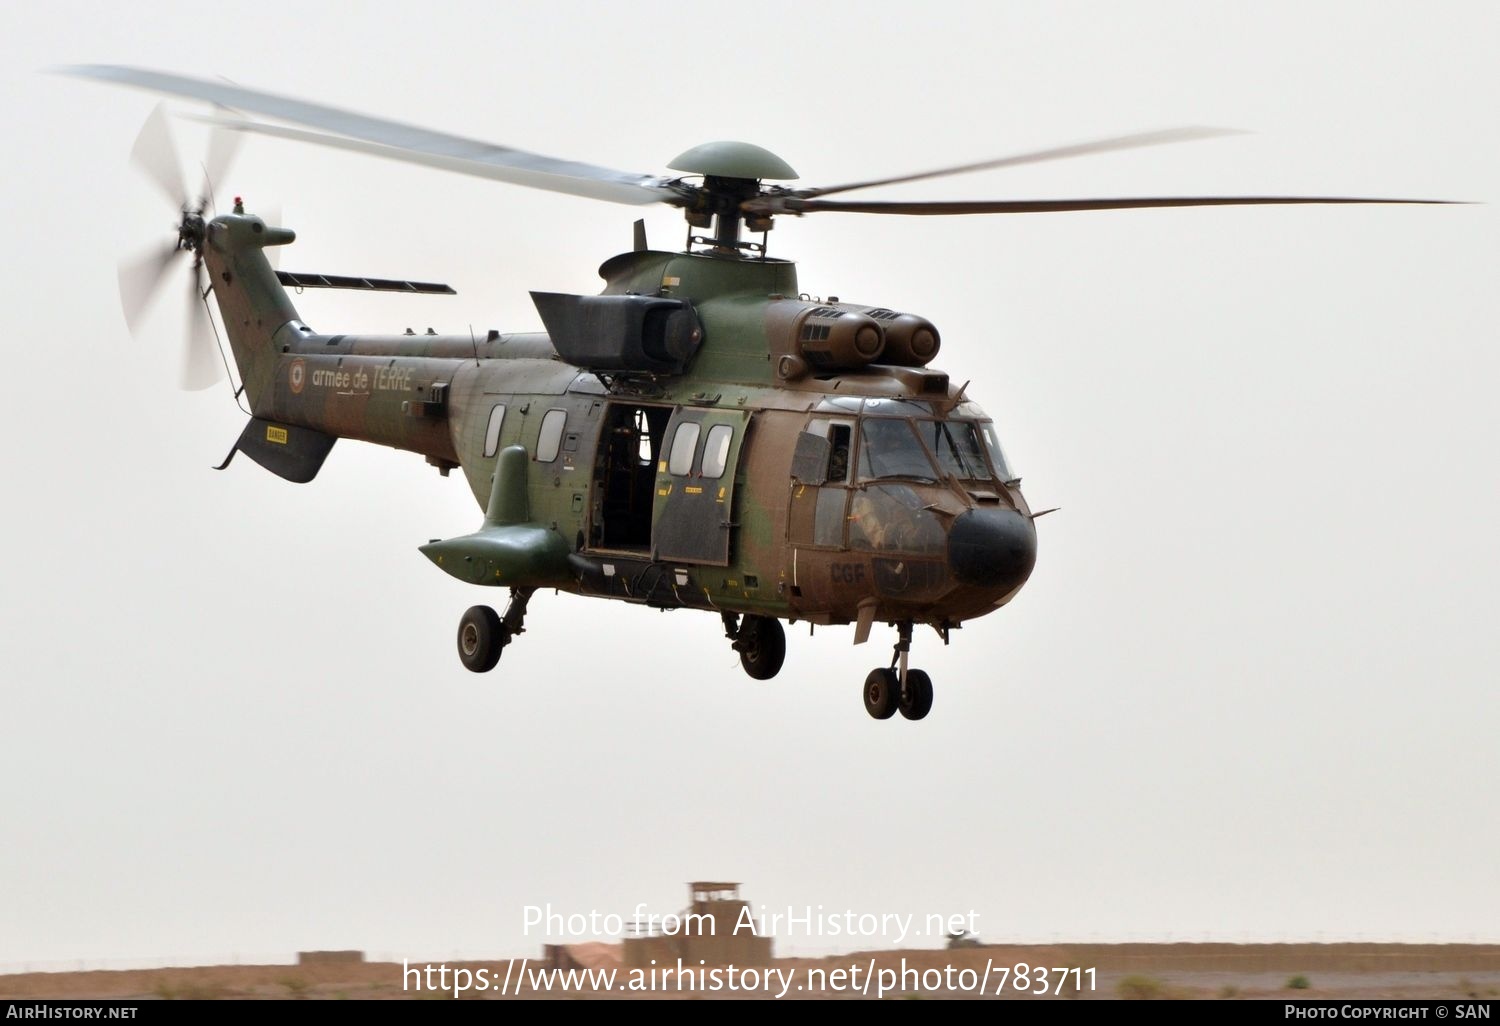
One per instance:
(492,430)
(716,450)
(645,439)
(549,440)
(889,448)
(684,444)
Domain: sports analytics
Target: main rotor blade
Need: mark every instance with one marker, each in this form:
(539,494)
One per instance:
(1119,142)
(202,366)
(613,192)
(141,279)
(408,142)
(792,205)
(155,153)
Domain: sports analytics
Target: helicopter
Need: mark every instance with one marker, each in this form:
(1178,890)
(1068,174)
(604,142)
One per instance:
(702,434)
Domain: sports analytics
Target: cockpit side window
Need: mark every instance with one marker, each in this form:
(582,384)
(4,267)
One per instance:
(889,448)
(840,442)
(837,463)
(997,455)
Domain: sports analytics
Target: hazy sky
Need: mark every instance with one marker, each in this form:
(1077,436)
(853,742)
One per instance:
(1249,693)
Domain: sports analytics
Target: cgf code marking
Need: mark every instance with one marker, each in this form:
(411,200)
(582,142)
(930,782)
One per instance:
(847,573)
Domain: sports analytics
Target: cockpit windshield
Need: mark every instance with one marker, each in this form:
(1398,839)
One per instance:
(958,448)
(889,448)
(905,440)
(970,410)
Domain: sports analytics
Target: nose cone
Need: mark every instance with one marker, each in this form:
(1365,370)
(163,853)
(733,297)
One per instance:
(992,548)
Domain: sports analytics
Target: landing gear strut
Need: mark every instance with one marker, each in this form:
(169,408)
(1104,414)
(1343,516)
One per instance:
(483,635)
(888,689)
(760,641)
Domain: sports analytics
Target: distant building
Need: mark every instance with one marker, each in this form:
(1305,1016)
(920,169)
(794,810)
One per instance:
(330,957)
(716,929)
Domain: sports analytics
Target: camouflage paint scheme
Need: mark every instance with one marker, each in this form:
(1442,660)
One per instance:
(700,435)
(766,543)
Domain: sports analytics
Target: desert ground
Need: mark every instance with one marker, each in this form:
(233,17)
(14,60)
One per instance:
(1128,971)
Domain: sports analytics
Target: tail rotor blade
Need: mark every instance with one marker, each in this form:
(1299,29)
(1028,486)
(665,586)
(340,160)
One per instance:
(202,365)
(223,145)
(141,278)
(155,154)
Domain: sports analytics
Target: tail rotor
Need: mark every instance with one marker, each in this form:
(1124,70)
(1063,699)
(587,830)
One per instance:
(143,275)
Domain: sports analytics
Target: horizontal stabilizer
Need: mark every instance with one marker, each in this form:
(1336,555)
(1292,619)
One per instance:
(294,453)
(340,281)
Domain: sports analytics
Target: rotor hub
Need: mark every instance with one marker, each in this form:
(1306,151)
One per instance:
(192,231)
(732,175)
(736,160)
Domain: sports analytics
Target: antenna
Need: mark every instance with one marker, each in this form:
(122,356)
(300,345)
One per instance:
(209,184)
(475,343)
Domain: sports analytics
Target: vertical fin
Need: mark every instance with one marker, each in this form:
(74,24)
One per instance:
(509,504)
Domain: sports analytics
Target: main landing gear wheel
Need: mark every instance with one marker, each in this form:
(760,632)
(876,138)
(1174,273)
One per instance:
(882,687)
(481,638)
(482,635)
(916,698)
(761,643)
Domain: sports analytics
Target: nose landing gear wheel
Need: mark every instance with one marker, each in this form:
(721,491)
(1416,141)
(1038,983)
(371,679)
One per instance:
(881,688)
(481,638)
(916,700)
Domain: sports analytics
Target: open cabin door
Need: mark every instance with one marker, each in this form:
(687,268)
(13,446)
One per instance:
(692,522)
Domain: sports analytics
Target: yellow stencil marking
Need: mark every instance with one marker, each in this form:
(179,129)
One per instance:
(276,434)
